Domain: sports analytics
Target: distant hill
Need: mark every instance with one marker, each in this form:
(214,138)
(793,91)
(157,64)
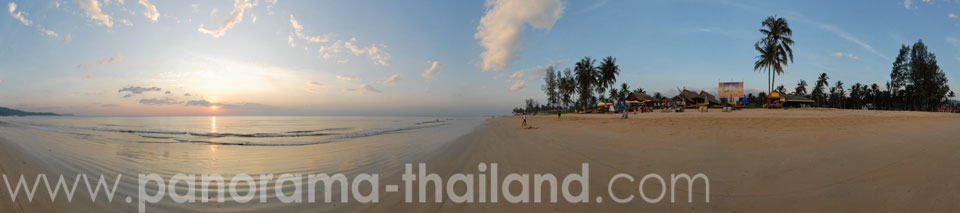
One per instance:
(12,112)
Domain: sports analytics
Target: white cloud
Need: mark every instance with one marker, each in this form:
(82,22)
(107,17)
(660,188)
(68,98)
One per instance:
(126,22)
(92,8)
(21,16)
(952,15)
(392,80)
(316,84)
(45,31)
(290,41)
(518,81)
(112,60)
(235,17)
(18,15)
(501,28)
(364,88)
(433,70)
(377,54)
(253,18)
(374,52)
(298,30)
(520,77)
(347,77)
(853,39)
(846,55)
(151,12)
(213,12)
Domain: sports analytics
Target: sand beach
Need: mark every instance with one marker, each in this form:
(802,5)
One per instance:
(756,160)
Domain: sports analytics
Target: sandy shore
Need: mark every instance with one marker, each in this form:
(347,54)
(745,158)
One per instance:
(756,161)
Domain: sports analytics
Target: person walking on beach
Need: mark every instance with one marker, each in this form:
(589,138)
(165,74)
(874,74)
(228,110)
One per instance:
(558,115)
(524,116)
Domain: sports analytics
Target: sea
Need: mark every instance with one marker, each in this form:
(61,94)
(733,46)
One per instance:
(227,146)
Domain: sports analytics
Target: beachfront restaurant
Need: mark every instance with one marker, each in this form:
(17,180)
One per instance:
(687,98)
(707,99)
(644,100)
(797,101)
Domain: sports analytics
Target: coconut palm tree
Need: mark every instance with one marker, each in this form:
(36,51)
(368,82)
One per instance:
(819,94)
(801,88)
(774,48)
(586,78)
(608,71)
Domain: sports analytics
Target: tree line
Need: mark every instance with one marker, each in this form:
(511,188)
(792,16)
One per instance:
(916,81)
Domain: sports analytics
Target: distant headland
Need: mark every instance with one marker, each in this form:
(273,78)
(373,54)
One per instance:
(13,112)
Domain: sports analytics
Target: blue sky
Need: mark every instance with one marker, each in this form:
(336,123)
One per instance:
(115,57)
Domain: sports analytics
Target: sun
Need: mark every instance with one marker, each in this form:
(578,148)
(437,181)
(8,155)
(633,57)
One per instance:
(214,107)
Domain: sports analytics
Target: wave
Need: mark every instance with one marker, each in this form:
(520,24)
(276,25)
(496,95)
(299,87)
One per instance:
(311,133)
(340,138)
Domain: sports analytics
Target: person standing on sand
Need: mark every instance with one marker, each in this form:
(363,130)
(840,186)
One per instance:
(524,116)
(558,115)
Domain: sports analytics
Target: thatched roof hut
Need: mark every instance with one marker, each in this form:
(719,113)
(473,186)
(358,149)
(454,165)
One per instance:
(641,97)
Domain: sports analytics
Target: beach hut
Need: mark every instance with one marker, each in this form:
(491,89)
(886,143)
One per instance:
(775,100)
(797,101)
(645,101)
(687,98)
(706,99)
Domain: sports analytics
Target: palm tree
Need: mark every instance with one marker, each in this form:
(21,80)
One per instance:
(818,91)
(801,88)
(775,51)
(625,89)
(782,89)
(615,95)
(568,86)
(608,73)
(586,77)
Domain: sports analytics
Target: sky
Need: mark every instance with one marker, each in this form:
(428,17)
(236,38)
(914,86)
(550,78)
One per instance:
(338,57)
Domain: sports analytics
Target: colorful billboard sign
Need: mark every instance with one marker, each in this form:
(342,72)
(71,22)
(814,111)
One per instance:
(730,89)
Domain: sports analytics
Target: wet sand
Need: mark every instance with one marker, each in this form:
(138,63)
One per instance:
(756,160)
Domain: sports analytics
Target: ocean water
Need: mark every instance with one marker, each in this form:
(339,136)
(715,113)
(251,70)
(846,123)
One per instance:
(229,145)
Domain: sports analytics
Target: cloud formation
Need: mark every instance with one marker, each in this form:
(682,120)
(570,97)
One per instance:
(298,30)
(952,15)
(199,103)
(92,8)
(518,81)
(21,16)
(347,77)
(151,12)
(853,39)
(392,80)
(160,101)
(236,16)
(112,60)
(316,84)
(364,88)
(501,28)
(432,71)
(845,55)
(18,15)
(139,90)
